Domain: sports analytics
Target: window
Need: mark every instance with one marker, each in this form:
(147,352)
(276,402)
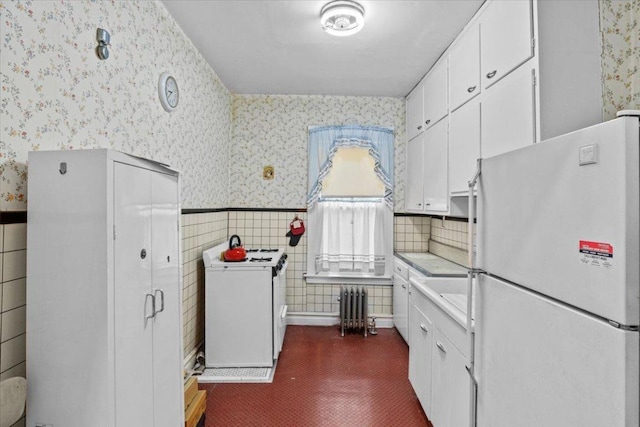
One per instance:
(350,207)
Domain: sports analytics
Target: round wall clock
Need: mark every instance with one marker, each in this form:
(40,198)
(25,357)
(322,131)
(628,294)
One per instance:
(168,91)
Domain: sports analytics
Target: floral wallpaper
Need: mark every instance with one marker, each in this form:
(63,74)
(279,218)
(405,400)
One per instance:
(272,130)
(620,25)
(57,94)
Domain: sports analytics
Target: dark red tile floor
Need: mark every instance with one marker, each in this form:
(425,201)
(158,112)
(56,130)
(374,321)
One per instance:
(323,379)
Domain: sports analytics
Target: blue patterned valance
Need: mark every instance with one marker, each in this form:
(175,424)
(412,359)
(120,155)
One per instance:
(324,142)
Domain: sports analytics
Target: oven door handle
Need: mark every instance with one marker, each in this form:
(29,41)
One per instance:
(283,314)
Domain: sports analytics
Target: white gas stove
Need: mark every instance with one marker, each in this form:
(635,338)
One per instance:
(267,257)
(245,307)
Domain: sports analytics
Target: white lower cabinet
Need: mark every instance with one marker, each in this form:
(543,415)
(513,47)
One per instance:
(437,365)
(420,355)
(401,298)
(450,384)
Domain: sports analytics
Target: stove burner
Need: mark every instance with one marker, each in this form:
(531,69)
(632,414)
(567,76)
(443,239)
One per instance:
(260,259)
(268,250)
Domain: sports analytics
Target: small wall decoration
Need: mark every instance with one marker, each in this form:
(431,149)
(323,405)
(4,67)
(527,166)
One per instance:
(268,173)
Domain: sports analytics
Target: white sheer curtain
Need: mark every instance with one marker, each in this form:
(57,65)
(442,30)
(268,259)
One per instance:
(351,236)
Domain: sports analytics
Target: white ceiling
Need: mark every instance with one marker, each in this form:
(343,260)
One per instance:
(279,47)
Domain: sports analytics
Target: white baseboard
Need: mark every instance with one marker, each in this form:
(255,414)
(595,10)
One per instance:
(331,319)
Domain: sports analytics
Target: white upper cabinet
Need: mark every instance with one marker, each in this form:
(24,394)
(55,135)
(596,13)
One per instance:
(506,38)
(435,94)
(464,146)
(414,193)
(436,193)
(464,68)
(415,124)
(508,114)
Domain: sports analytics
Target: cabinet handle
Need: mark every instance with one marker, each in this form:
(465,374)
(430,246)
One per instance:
(419,204)
(161,301)
(427,204)
(398,268)
(423,327)
(419,127)
(441,347)
(471,89)
(153,306)
(404,287)
(492,74)
(427,122)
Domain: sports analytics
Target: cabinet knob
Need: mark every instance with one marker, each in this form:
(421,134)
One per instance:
(404,287)
(143,253)
(419,127)
(427,122)
(423,327)
(471,89)
(492,74)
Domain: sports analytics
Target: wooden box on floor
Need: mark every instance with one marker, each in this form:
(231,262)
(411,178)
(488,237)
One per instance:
(195,403)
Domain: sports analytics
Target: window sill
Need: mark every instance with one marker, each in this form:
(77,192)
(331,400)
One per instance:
(348,279)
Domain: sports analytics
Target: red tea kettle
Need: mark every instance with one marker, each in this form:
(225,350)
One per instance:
(235,252)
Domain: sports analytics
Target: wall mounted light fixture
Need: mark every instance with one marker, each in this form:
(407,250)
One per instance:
(103,38)
(342,17)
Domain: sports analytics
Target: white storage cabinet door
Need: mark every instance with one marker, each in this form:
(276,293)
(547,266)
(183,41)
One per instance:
(133,308)
(415,178)
(508,114)
(464,68)
(420,355)
(436,193)
(435,94)
(415,111)
(506,38)
(464,146)
(451,384)
(400,301)
(148,379)
(167,338)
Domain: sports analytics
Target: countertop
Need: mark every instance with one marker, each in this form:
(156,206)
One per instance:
(432,265)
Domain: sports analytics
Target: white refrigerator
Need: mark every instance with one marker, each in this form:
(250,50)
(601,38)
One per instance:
(557,306)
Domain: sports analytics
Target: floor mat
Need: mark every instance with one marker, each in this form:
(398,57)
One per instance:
(237,375)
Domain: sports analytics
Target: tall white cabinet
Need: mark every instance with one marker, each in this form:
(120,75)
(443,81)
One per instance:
(104,328)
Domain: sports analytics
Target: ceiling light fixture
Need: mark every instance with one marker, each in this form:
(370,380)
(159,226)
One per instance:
(342,17)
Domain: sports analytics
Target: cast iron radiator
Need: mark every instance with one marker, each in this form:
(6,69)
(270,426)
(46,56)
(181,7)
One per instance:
(353,309)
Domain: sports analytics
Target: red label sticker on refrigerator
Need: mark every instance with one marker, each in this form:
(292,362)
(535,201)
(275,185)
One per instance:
(597,254)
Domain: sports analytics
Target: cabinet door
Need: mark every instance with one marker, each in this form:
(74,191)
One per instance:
(167,324)
(420,356)
(400,306)
(464,146)
(464,68)
(132,297)
(436,194)
(414,193)
(415,112)
(508,114)
(506,34)
(450,385)
(435,94)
